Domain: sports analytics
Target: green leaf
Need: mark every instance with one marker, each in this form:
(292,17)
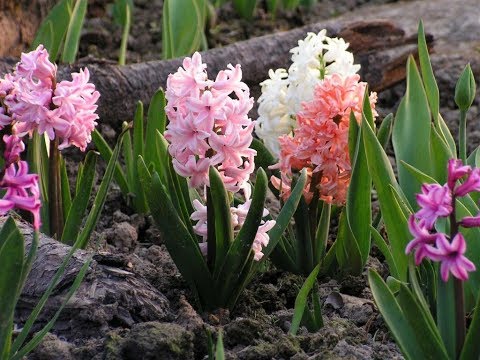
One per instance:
(411,132)
(426,334)
(386,252)
(321,234)
(53,28)
(80,202)
(65,185)
(358,206)
(383,177)
(431,87)
(233,267)
(182,247)
(219,351)
(403,332)
(36,340)
(348,252)
(471,350)
(101,196)
(385,130)
(11,258)
(446,314)
(139,200)
(285,215)
(156,121)
(301,300)
(72,38)
(183,26)
(245,8)
(223,235)
(440,155)
(119,11)
(106,153)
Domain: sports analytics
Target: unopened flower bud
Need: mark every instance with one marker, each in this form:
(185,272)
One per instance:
(465,89)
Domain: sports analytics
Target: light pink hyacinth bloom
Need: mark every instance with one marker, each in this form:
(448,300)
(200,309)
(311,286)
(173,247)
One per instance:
(238,215)
(439,201)
(320,138)
(209,124)
(35,102)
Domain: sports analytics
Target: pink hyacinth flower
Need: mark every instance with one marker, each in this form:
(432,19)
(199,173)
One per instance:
(451,255)
(76,105)
(14,146)
(435,201)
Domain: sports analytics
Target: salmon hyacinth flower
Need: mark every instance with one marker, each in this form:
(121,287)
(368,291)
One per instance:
(316,58)
(320,139)
(33,101)
(437,201)
(209,124)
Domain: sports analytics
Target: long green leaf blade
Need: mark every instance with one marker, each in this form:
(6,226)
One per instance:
(11,258)
(80,202)
(301,300)
(413,118)
(72,38)
(101,196)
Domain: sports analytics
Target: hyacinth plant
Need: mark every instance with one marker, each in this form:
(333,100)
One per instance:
(55,115)
(21,192)
(215,226)
(426,306)
(309,118)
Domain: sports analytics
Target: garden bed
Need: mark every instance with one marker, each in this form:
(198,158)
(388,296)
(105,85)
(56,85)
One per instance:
(133,301)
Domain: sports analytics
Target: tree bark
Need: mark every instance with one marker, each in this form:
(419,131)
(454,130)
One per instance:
(109,293)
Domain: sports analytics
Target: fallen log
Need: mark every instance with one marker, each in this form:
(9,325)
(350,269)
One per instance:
(110,295)
(379,46)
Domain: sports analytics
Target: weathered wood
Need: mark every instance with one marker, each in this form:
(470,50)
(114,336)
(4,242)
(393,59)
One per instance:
(109,294)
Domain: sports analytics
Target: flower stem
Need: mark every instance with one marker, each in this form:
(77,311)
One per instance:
(55,191)
(462,135)
(460,323)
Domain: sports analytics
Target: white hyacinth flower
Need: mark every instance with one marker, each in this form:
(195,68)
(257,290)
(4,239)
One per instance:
(316,57)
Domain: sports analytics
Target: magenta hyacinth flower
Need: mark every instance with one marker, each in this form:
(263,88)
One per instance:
(451,255)
(471,184)
(435,201)
(422,238)
(22,191)
(438,201)
(456,170)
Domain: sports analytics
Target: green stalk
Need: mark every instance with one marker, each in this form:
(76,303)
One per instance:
(54,191)
(462,134)
(126,30)
(460,323)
